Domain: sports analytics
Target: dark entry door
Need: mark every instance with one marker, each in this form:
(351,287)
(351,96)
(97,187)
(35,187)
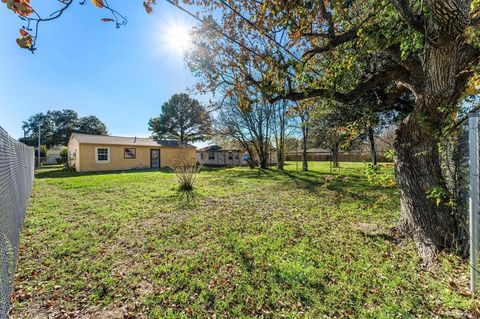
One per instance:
(154,158)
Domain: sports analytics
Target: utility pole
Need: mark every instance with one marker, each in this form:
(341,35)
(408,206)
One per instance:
(39,160)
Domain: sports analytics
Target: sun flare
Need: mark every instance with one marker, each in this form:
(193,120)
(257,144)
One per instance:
(177,37)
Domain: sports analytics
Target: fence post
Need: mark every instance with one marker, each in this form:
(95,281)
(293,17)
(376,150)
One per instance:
(39,145)
(473,155)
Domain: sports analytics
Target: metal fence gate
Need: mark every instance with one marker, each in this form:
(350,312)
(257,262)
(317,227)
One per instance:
(16,180)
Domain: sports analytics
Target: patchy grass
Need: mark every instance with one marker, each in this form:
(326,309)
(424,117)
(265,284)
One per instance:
(249,244)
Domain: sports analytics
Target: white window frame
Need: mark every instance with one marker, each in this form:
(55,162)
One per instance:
(96,154)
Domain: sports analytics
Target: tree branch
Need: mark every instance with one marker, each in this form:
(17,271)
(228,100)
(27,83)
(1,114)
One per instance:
(332,43)
(394,72)
(416,21)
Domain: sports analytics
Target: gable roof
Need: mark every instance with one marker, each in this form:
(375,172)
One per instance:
(123,140)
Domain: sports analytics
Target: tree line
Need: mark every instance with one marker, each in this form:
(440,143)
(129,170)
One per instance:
(265,127)
(55,127)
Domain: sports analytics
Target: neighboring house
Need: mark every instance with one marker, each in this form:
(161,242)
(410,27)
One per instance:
(216,155)
(103,153)
(53,154)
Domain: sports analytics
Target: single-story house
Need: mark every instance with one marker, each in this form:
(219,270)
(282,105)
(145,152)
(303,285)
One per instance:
(228,155)
(103,153)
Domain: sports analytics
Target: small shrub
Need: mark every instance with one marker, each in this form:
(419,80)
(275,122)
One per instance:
(64,152)
(70,164)
(390,154)
(376,177)
(43,151)
(186,170)
(371,170)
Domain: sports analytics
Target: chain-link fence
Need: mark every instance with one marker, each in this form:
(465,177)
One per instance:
(16,180)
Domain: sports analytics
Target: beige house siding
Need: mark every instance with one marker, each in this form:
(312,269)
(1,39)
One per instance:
(84,156)
(73,151)
(117,161)
(116,158)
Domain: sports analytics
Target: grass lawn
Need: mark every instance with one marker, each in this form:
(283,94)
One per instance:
(249,244)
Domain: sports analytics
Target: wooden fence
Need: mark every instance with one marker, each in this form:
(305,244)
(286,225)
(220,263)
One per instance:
(323,157)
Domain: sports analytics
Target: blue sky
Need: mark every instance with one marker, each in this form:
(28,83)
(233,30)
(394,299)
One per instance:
(123,76)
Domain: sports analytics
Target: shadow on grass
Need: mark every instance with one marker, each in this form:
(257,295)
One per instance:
(381,236)
(188,196)
(183,199)
(62,173)
(346,181)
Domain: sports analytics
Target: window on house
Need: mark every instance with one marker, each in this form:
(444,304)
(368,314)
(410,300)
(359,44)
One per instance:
(211,156)
(130,153)
(201,156)
(230,156)
(102,154)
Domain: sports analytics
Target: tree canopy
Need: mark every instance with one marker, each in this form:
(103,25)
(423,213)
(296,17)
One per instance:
(57,126)
(183,119)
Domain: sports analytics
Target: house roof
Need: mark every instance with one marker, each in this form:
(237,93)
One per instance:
(123,140)
(217,148)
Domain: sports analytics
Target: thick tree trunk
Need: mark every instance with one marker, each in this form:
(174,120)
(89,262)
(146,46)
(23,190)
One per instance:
(373,152)
(418,172)
(437,87)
